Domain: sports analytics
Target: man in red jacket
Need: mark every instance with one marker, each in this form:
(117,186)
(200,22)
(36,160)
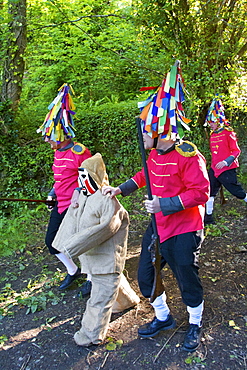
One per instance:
(58,130)
(225,152)
(180,188)
(68,157)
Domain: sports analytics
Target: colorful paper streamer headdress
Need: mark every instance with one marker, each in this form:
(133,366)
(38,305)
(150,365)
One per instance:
(162,113)
(216,113)
(58,124)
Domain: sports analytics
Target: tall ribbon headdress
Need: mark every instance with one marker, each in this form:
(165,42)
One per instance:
(216,113)
(162,113)
(58,124)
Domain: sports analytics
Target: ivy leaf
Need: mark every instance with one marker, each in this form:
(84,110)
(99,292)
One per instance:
(119,342)
(188,360)
(111,346)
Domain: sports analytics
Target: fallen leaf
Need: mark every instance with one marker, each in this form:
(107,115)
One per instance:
(111,346)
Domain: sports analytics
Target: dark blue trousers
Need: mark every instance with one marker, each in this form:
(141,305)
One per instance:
(181,253)
(229,180)
(53,226)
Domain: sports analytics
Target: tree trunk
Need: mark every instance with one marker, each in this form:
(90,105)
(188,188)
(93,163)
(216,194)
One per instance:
(13,67)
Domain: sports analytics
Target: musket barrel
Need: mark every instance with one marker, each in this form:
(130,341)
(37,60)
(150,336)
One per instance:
(47,202)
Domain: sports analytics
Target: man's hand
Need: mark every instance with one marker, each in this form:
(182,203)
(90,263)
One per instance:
(153,206)
(50,198)
(109,189)
(75,199)
(221,164)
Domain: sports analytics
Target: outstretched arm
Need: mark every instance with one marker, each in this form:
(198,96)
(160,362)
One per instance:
(105,221)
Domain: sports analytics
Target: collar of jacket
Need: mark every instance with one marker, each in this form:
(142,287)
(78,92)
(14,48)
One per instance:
(161,151)
(218,130)
(70,145)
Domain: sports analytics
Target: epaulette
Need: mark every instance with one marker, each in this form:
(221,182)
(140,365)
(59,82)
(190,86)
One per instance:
(186,149)
(78,148)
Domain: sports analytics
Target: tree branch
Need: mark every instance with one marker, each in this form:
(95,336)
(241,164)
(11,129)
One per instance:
(78,19)
(73,22)
(242,51)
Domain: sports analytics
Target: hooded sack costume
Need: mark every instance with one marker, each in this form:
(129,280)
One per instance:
(97,232)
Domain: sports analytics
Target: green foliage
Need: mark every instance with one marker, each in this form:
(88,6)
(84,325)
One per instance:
(112,344)
(216,230)
(86,44)
(19,231)
(38,302)
(233,212)
(34,297)
(3,339)
(108,128)
(107,51)
(195,359)
(27,170)
(111,130)
(242,176)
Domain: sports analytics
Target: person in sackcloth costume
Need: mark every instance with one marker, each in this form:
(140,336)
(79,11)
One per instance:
(95,229)
(180,188)
(224,162)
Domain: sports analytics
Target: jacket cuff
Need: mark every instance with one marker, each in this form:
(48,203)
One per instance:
(229,160)
(170,205)
(128,187)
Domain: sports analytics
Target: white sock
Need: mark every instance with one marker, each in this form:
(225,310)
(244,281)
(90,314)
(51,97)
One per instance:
(89,277)
(160,307)
(210,206)
(68,263)
(245,199)
(196,314)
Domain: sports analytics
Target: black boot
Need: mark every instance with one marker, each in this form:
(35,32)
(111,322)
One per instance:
(85,289)
(69,279)
(155,326)
(192,338)
(209,219)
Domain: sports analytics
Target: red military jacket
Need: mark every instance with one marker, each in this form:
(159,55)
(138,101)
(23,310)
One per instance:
(65,169)
(180,177)
(223,144)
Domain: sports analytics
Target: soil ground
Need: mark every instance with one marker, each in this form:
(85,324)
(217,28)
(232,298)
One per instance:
(44,339)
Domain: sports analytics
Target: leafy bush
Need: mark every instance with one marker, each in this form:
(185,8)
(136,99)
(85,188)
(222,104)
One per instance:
(110,128)
(19,231)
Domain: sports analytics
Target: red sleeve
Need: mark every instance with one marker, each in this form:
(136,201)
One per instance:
(233,144)
(79,158)
(139,179)
(195,180)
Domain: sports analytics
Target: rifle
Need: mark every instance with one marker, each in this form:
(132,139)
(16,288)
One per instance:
(222,196)
(50,203)
(154,247)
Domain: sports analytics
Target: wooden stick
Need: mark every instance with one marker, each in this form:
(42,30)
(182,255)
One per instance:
(168,340)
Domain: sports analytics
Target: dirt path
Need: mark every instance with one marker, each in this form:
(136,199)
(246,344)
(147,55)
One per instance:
(43,338)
